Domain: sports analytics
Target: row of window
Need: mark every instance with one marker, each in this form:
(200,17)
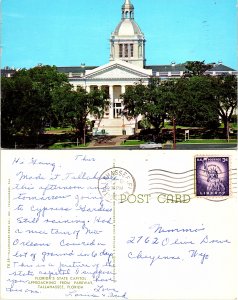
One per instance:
(126,50)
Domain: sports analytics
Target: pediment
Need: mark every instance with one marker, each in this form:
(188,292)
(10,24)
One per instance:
(117,70)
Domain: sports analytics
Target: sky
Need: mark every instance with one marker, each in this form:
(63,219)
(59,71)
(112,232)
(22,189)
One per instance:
(75,32)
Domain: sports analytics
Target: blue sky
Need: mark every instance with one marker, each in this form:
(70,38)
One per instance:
(71,32)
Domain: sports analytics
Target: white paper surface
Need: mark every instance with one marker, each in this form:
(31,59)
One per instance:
(117,225)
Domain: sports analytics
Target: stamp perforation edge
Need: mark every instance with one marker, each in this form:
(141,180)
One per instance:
(214,198)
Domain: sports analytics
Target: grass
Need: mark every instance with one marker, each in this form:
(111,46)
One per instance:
(138,142)
(59,129)
(234,126)
(132,143)
(208,141)
(192,141)
(67,146)
(169,126)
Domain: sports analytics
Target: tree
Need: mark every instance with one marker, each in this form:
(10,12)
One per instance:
(199,107)
(8,108)
(154,108)
(75,106)
(27,99)
(211,98)
(197,102)
(145,100)
(225,95)
(133,100)
(196,68)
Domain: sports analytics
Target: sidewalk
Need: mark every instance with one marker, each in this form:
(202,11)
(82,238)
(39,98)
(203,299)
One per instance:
(109,142)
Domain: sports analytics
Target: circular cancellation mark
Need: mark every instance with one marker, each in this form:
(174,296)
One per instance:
(114,182)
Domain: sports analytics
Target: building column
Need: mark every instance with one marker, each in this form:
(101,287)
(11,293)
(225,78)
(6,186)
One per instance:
(88,88)
(123,90)
(111,102)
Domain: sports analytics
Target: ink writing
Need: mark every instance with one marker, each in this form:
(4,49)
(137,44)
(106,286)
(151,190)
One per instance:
(61,230)
(177,244)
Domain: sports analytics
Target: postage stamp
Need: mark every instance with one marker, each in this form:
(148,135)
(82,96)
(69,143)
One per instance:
(114,182)
(212,176)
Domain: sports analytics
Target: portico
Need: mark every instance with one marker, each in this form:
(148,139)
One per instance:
(114,78)
(114,94)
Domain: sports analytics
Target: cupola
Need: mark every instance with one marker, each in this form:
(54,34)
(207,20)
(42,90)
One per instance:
(127,10)
(127,40)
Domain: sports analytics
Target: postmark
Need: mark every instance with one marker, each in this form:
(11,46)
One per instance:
(114,182)
(212,177)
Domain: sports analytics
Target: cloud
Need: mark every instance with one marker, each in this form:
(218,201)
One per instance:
(13,15)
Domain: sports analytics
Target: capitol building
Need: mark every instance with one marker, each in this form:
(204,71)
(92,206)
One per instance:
(126,66)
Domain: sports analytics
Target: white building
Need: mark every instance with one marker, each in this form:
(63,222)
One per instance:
(126,67)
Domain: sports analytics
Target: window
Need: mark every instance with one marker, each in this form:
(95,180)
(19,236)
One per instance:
(126,50)
(120,50)
(132,50)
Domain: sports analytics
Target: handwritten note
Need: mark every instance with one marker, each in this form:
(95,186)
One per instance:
(85,224)
(62,236)
(171,244)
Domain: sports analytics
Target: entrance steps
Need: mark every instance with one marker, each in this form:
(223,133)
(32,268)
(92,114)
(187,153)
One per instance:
(113,127)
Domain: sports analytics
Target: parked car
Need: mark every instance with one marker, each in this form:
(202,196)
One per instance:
(151,145)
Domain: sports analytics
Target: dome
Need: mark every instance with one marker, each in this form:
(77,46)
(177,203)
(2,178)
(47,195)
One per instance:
(127,27)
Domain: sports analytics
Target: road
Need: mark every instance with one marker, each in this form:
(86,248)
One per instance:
(178,147)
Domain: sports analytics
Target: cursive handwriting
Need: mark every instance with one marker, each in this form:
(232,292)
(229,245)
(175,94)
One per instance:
(61,229)
(151,258)
(157,228)
(174,244)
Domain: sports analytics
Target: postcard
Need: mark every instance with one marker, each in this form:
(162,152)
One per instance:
(156,224)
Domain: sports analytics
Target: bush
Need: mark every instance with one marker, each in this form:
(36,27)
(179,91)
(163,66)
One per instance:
(234,119)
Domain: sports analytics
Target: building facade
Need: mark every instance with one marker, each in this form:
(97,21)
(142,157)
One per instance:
(127,66)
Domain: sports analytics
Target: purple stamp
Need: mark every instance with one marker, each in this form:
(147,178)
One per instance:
(212,176)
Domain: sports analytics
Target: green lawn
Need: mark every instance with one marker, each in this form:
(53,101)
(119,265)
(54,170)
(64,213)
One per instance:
(59,129)
(234,126)
(208,141)
(168,126)
(192,141)
(132,143)
(67,146)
